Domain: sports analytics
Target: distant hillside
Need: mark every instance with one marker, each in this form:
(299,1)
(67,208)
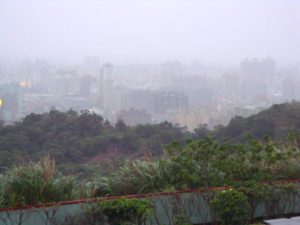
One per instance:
(79,138)
(276,122)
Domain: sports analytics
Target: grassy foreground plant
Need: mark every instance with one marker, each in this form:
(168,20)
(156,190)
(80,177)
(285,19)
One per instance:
(132,178)
(35,183)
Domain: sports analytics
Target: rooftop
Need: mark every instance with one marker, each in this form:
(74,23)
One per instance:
(284,221)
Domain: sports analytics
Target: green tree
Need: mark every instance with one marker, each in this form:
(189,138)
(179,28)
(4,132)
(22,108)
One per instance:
(231,207)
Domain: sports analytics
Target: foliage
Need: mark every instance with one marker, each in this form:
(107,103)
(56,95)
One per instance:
(189,166)
(200,162)
(125,211)
(35,183)
(182,220)
(137,177)
(195,164)
(231,207)
(206,163)
(113,212)
(276,122)
(134,177)
(78,138)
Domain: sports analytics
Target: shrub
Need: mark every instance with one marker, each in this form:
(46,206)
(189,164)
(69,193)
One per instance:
(231,207)
(113,212)
(125,211)
(181,219)
(35,183)
(137,177)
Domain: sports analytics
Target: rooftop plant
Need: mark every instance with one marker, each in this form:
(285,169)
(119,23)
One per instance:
(35,183)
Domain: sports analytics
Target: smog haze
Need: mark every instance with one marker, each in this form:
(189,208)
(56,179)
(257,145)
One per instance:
(150,31)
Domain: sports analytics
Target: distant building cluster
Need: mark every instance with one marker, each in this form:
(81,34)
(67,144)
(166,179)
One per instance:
(185,94)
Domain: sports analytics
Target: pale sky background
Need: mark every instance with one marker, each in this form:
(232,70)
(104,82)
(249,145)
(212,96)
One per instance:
(124,31)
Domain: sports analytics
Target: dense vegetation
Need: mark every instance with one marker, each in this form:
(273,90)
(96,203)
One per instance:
(275,122)
(163,158)
(79,138)
(231,207)
(206,163)
(35,183)
(76,138)
(198,163)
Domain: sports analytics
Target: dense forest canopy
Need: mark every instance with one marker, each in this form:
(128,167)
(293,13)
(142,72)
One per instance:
(76,138)
(275,122)
(72,137)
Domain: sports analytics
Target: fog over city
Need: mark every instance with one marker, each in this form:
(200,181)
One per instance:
(122,31)
(185,61)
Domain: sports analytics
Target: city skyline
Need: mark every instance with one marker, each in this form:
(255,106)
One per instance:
(189,95)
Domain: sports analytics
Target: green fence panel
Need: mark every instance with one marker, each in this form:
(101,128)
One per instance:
(193,205)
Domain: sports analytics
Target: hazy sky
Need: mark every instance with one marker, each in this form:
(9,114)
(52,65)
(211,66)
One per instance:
(122,31)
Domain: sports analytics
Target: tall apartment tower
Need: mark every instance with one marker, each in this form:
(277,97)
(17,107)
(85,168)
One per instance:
(106,87)
(257,77)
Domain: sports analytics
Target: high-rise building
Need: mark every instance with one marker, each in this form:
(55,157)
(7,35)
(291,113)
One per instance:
(163,101)
(257,77)
(106,83)
(107,71)
(262,69)
(66,84)
(10,96)
(85,85)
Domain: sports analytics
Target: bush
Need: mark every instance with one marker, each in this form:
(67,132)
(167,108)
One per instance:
(135,178)
(35,183)
(231,207)
(113,212)
(181,219)
(125,211)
